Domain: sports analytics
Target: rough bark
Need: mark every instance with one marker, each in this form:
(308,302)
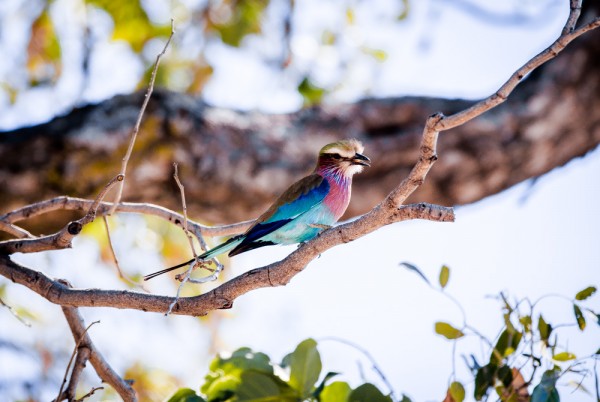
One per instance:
(233,164)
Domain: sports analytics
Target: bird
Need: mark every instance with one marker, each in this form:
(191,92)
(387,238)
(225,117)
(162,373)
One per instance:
(309,206)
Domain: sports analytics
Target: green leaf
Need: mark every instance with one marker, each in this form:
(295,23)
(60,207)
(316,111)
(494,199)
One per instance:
(43,51)
(337,391)
(234,20)
(243,359)
(545,329)
(185,395)
(505,375)
(564,357)
(378,54)
(368,393)
(579,317)
(484,379)
(321,386)
(413,268)
(405,399)
(405,9)
(220,387)
(311,93)
(444,276)
(507,343)
(457,391)
(256,387)
(447,330)
(526,323)
(131,23)
(224,374)
(305,367)
(585,293)
(546,391)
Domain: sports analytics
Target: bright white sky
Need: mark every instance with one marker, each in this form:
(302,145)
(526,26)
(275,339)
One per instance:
(527,241)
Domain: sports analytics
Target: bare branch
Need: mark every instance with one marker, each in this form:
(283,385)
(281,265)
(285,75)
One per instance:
(81,355)
(102,368)
(79,204)
(138,123)
(567,36)
(14,230)
(61,239)
(390,210)
(276,274)
(92,391)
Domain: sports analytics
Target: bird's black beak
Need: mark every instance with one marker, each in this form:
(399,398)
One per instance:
(360,159)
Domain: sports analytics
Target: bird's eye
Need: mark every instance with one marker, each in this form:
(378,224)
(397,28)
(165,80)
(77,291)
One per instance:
(336,156)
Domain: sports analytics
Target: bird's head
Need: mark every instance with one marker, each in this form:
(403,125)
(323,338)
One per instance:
(343,156)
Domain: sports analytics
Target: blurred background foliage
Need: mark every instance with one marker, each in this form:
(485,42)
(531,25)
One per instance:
(244,24)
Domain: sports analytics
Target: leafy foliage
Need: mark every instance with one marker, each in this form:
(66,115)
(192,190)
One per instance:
(250,376)
(521,346)
(43,51)
(235,23)
(131,23)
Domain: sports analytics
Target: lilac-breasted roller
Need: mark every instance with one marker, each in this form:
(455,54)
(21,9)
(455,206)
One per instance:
(307,207)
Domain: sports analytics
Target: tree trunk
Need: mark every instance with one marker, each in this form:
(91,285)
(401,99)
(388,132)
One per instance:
(233,164)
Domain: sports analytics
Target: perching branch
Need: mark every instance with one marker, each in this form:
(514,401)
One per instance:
(275,274)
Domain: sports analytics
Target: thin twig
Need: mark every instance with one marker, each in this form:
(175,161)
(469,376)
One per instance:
(138,123)
(14,230)
(184,208)
(116,261)
(92,211)
(92,391)
(189,237)
(567,36)
(365,353)
(14,313)
(75,349)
